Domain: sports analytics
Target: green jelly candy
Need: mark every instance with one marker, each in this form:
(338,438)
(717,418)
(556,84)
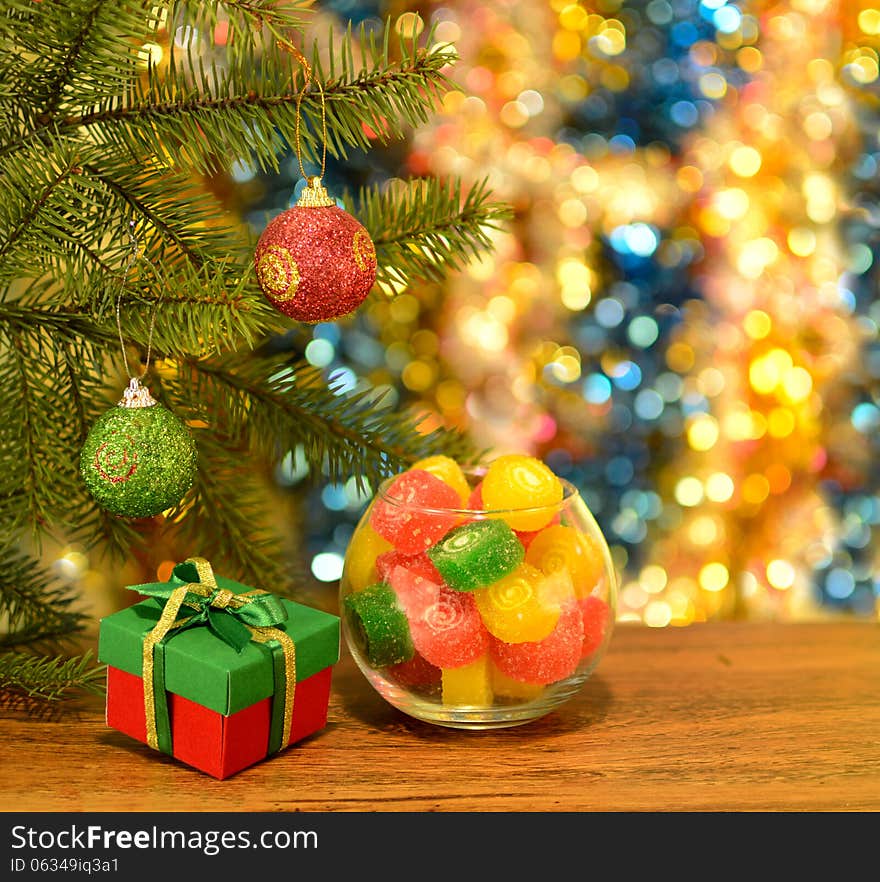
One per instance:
(379,626)
(477,554)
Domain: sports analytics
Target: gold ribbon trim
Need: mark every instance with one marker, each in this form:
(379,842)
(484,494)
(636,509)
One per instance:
(222,599)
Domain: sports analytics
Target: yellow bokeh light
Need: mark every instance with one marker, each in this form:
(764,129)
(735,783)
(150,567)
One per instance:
(864,70)
(689,491)
(780,574)
(410,24)
(713,85)
(680,357)
(749,59)
(658,614)
(745,161)
(585,179)
(714,576)
(419,375)
(869,22)
(573,17)
(514,114)
(702,433)
(756,256)
(703,530)
(757,324)
(780,422)
(732,203)
(150,54)
(755,489)
(653,578)
(566,45)
(797,384)
(572,213)
(719,487)
(801,241)
(611,41)
(689,178)
(818,125)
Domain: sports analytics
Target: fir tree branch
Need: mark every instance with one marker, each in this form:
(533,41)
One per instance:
(47,678)
(282,407)
(250,107)
(424,227)
(34,606)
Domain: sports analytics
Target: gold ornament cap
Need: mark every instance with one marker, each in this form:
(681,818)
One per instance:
(314,195)
(137,395)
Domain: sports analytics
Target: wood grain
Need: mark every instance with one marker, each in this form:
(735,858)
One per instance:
(713,717)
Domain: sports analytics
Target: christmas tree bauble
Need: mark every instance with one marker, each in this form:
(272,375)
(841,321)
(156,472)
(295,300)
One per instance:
(315,262)
(138,459)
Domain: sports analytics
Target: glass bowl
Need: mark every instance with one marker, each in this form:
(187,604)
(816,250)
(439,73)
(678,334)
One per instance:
(476,618)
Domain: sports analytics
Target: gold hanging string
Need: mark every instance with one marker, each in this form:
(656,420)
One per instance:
(133,257)
(308,78)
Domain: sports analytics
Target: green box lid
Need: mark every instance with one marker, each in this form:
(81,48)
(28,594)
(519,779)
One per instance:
(203,668)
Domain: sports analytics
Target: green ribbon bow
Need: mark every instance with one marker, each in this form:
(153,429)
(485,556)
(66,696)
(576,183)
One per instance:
(236,619)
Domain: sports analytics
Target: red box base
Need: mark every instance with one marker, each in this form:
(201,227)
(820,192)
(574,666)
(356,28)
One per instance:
(207,740)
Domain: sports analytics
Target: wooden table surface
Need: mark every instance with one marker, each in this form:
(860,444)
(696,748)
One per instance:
(713,717)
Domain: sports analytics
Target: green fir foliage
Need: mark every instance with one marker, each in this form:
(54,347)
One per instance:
(95,140)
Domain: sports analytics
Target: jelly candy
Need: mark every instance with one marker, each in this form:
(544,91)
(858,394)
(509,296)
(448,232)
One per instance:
(522,482)
(413,514)
(476,554)
(523,606)
(414,579)
(595,614)
(468,684)
(447,470)
(415,673)
(450,632)
(564,548)
(509,688)
(475,500)
(378,625)
(361,556)
(548,660)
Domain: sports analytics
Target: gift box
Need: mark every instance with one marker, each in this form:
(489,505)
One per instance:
(215,673)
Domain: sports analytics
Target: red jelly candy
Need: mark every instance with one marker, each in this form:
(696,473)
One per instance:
(411,513)
(414,579)
(475,502)
(544,661)
(450,632)
(415,672)
(595,614)
(526,536)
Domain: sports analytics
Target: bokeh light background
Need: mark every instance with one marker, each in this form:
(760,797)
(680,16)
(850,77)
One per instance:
(681,316)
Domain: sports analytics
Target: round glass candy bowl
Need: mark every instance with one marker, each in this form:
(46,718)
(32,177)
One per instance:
(477,601)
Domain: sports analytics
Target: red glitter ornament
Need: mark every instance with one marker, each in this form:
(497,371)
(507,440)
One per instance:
(315,262)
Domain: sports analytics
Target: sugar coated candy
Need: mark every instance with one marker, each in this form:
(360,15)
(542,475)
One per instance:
(515,481)
(476,554)
(449,471)
(378,625)
(558,547)
(522,606)
(468,684)
(415,673)
(414,511)
(548,660)
(361,557)
(414,579)
(596,615)
(475,500)
(507,687)
(450,632)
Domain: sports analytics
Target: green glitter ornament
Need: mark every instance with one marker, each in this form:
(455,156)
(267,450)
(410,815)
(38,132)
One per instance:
(138,459)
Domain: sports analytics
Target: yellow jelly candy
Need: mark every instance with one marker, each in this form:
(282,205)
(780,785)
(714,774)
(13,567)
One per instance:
(564,549)
(360,558)
(515,481)
(449,471)
(522,607)
(509,688)
(469,684)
